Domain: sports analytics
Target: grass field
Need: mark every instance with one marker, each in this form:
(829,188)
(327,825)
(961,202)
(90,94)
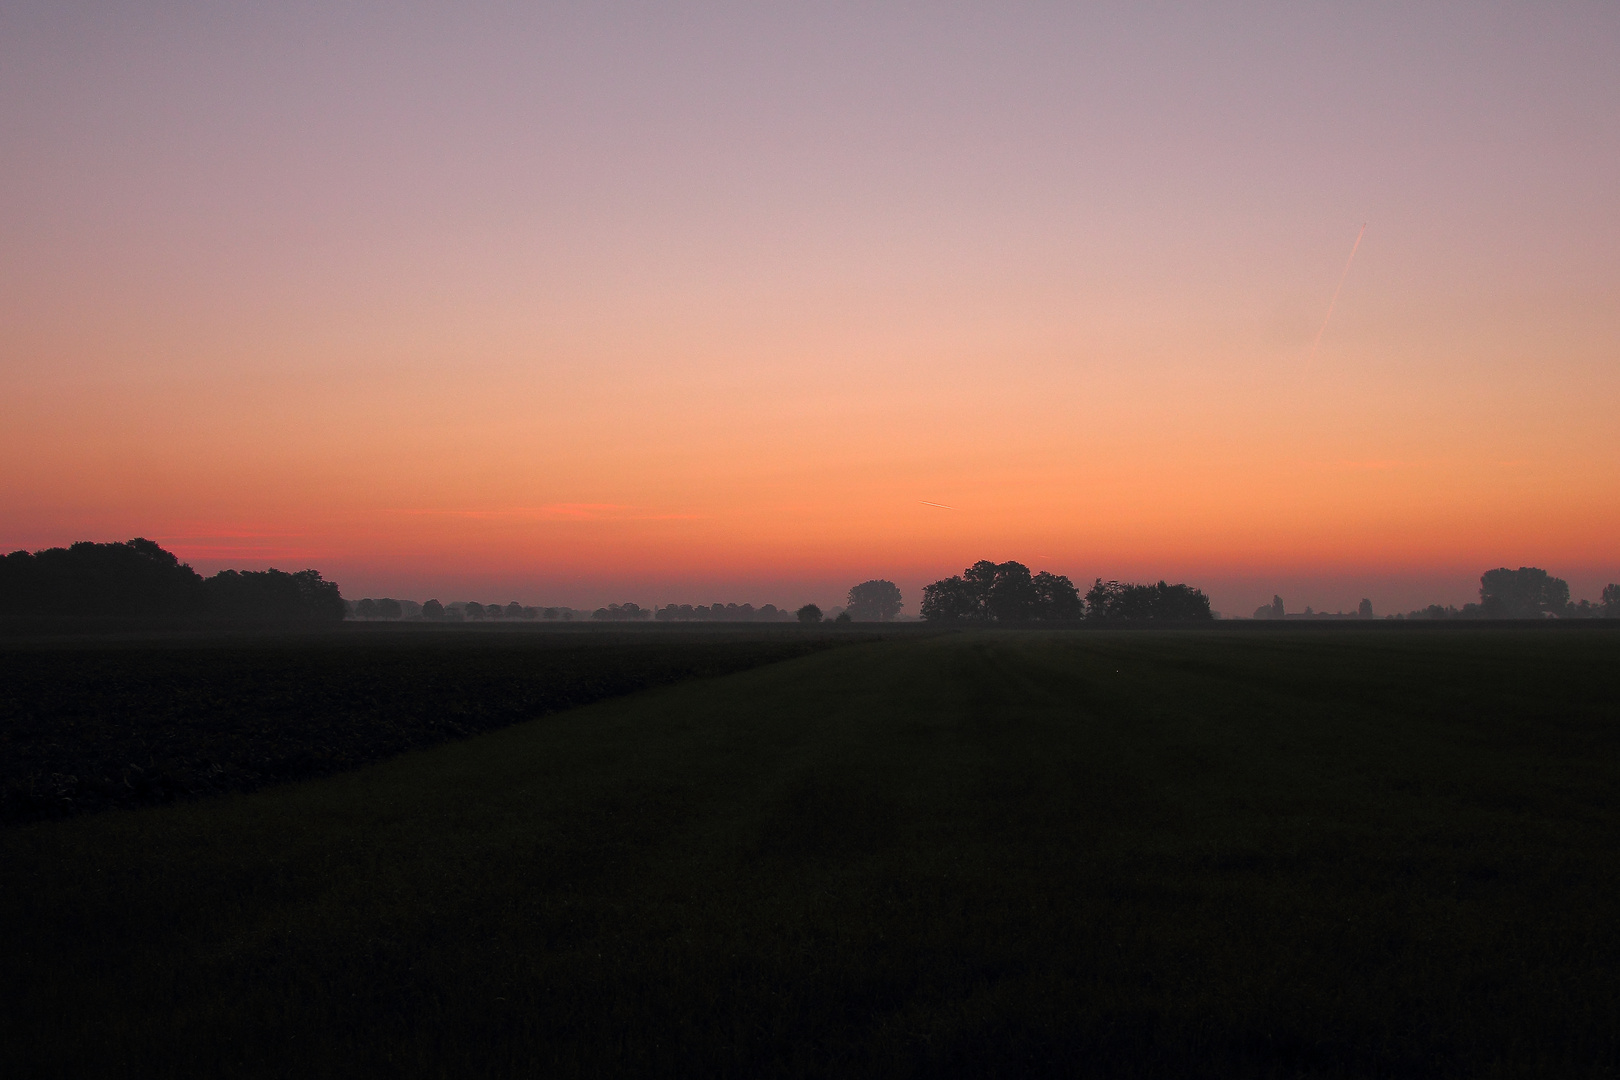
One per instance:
(1368,853)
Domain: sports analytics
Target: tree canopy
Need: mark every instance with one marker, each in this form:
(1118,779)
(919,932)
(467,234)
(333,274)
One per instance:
(621,613)
(719,612)
(133,578)
(139,579)
(274,595)
(1526,593)
(1114,601)
(874,601)
(1003,593)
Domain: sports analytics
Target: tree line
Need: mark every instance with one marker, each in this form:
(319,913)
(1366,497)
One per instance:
(718,612)
(1526,593)
(462,611)
(138,579)
(1007,593)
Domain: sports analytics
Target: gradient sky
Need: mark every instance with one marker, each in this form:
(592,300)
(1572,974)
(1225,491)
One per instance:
(581,303)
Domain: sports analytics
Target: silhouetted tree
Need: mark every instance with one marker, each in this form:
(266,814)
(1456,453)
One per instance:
(981,578)
(1525,593)
(843,617)
(1365,610)
(1003,592)
(810,613)
(136,578)
(274,596)
(366,609)
(621,613)
(874,601)
(950,599)
(389,608)
(1056,597)
(432,610)
(1011,597)
(1611,601)
(1116,602)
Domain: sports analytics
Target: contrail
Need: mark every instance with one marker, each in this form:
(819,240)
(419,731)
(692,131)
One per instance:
(1335,299)
(942,506)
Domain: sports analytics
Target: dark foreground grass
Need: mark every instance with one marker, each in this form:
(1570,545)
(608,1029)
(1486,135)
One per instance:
(1353,854)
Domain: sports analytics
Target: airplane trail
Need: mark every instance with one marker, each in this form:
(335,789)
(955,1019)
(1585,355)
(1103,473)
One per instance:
(1336,289)
(942,506)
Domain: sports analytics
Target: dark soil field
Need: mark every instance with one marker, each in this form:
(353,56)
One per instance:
(1319,853)
(97,721)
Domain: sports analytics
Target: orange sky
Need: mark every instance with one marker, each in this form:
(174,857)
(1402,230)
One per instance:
(708,305)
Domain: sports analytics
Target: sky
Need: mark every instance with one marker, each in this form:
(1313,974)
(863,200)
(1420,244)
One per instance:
(573,304)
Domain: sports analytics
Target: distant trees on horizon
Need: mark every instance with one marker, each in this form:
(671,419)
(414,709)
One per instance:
(718,612)
(139,579)
(1007,593)
(621,613)
(877,600)
(464,611)
(1526,593)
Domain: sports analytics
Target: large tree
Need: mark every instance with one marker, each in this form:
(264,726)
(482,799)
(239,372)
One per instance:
(949,599)
(1526,593)
(874,601)
(274,596)
(1056,597)
(1114,601)
(1011,595)
(135,578)
(1000,592)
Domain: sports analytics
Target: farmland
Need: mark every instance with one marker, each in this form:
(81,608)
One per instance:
(1316,853)
(143,719)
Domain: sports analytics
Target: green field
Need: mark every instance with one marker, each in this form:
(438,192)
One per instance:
(1356,852)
